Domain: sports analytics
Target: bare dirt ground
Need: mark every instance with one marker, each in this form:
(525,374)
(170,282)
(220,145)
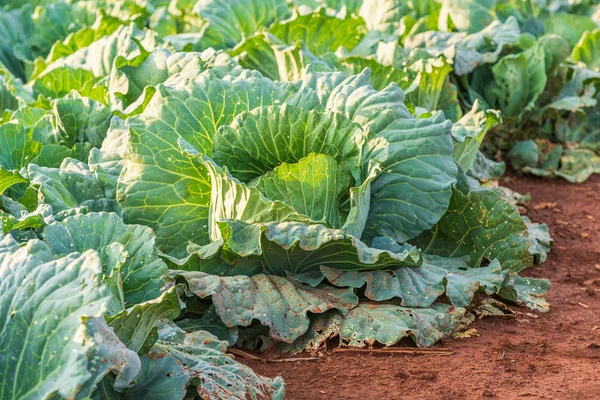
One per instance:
(533,356)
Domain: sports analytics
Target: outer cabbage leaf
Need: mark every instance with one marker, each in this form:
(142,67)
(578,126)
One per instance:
(587,50)
(104,25)
(52,155)
(213,373)
(577,165)
(430,83)
(356,98)
(418,172)
(384,323)
(81,120)
(485,170)
(136,325)
(322,328)
(9,178)
(160,377)
(483,225)
(297,248)
(519,80)
(107,161)
(467,15)
(71,186)
(54,21)
(17,148)
(50,345)
(129,77)
(98,57)
(421,286)
(12,93)
(548,160)
(321,33)
(132,80)
(228,21)
(18,217)
(215,195)
(37,120)
(108,355)
(569,26)
(190,65)
(279,303)
(141,270)
(469,131)
(28,33)
(14,27)
(526,291)
(383,15)
(468,51)
(381,75)
(388,324)
(59,82)
(541,242)
(211,323)
(276,60)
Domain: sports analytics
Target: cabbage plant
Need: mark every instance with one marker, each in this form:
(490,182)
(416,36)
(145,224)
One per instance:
(178,178)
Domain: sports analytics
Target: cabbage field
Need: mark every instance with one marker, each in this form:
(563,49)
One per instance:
(178,178)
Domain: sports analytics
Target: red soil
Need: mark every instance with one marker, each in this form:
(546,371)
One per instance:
(532,356)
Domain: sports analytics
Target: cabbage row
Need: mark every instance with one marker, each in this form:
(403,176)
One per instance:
(180,177)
